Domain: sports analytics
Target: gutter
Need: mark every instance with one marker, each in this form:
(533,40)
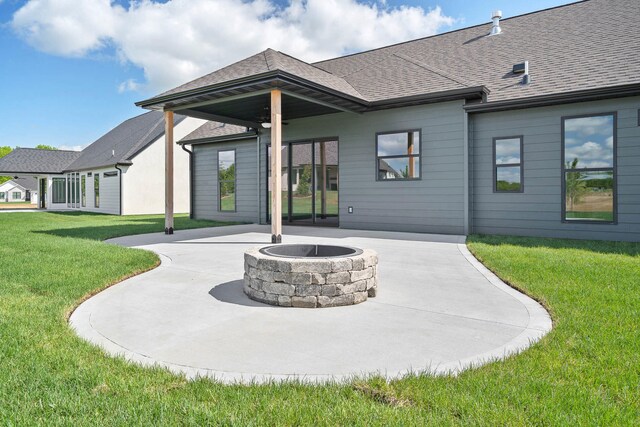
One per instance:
(557,98)
(121,163)
(222,138)
(190,180)
(477,92)
(258,174)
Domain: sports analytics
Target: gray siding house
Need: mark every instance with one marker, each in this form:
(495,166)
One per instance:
(534,131)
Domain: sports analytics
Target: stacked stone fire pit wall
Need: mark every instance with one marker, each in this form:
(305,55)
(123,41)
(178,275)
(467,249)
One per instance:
(310,282)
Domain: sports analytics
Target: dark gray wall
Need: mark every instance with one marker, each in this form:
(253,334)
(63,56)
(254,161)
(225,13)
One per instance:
(205,185)
(537,211)
(434,204)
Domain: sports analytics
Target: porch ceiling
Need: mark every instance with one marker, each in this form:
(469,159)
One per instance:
(250,111)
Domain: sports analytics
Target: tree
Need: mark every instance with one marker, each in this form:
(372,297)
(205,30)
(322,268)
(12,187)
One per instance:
(227,178)
(575,185)
(3,152)
(45,147)
(304,183)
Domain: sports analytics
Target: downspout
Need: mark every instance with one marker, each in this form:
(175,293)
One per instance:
(190,180)
(467,174)
(120,178)
(259,174)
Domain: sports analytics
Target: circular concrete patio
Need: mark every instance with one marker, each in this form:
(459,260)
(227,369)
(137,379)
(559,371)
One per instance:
(437,310)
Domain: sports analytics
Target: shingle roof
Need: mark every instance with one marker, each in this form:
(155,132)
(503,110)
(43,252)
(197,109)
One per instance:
(586,45)
(263,62)
(578,46)
(118,146)
(302,157)
(213,130)
(123,143)
(34,161)
(26,182)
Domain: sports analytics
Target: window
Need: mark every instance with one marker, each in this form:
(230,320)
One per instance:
(16,195)
(2,195)
(508,165)
(110,174)
(83,188)
(589,168)
(398,155)
(69,190)
(76,193)
(96,190)
(58,194)
(227,180)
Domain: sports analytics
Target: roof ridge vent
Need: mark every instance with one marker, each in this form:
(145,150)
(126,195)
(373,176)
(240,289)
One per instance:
(496,15)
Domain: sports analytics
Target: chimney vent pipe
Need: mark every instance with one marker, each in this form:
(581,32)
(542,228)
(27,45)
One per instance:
(495,17)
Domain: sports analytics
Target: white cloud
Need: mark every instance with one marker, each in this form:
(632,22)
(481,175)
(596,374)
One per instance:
(129,85)
(180,40)
(609,141)
(72,147)
(67,27)
(590,125)
(590,155)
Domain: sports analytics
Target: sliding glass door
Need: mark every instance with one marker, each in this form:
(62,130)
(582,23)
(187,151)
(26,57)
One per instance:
(309,182)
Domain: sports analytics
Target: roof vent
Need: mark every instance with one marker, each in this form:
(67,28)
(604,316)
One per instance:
(495,16)
(523,68)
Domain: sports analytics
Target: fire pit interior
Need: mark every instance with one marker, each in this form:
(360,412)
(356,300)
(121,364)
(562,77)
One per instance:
(309,276)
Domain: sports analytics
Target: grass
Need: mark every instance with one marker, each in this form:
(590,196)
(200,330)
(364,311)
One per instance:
(302,206)
(585,372)
(594,215)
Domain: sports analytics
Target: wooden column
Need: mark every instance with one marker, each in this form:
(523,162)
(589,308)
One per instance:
(276,166)
(168,175)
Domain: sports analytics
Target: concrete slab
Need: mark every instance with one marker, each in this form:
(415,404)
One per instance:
(437,310)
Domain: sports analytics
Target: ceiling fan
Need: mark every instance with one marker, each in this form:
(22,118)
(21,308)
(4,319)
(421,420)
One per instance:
(265,118)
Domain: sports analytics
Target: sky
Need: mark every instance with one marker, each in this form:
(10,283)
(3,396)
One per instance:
(71,70)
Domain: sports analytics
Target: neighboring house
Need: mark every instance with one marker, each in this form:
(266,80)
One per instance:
(534,130)
(19,190)
(120,173)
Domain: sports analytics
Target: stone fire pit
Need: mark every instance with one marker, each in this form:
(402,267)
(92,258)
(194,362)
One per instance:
(310,275)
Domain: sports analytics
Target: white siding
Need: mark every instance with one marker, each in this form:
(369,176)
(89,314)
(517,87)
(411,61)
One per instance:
(143,182)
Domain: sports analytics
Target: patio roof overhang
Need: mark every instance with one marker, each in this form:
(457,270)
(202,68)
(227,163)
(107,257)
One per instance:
(266,97)
(244,101)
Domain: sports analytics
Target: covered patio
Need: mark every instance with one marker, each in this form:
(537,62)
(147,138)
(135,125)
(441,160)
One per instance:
(438,311)
(264,92)
(256,93)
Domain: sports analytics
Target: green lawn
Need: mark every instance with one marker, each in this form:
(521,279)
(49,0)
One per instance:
(597,215)
(585,372)
(302,205)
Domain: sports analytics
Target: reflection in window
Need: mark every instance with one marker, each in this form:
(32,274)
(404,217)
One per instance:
(83,185)
(227,180)
(58,190)
(96,190)
(507,163)
(589,175)
(398,155)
